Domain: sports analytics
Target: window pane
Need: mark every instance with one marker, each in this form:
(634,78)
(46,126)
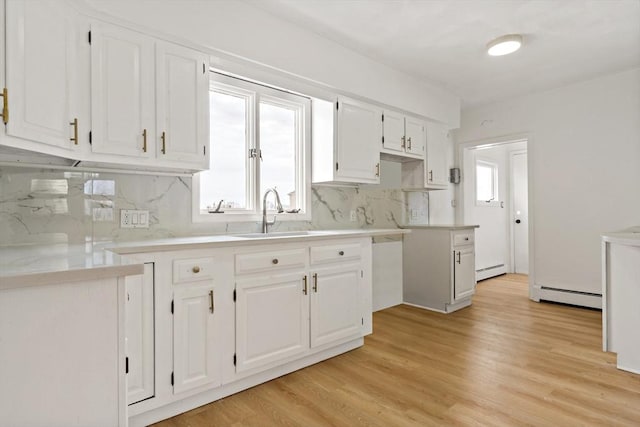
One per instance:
(278,145)
(484,182)
(227,175)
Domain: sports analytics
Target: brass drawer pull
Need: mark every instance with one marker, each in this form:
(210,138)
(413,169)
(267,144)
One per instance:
(304,285)
(144,140)
(315,282)
(74,123)
(5,106)
(274,261)
(164,142)
(211,306)
(196,269)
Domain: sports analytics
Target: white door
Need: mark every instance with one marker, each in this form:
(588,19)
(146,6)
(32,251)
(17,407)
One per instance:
(122,91)
(196,353)
(182,96)
(437,142)
(519,185)
(272,319)
(139,335)
(334,304)
(416,136)
(40,77)
(393,131)
(358,146)
(464,272)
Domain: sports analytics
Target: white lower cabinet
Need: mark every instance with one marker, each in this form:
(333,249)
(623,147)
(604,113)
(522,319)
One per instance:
(272,319)
(196,349)
(139,326)
(335,309)
(230,318)
(439,267)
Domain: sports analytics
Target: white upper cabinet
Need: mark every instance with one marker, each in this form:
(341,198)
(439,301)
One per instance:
(402,135)
(182,104)
(346,140)
(393,139)
(437,144)
(122,91)
(41,61)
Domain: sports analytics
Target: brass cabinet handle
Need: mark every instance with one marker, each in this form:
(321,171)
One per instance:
(74,123)
(409,141)
(164,142)
(378,169)
(430,175)
(144,140)
(211,306)
(304,283)
(341,253)
(196,269)
(403,142)
(5,105)
(459,257)
(274,261)
(315,282)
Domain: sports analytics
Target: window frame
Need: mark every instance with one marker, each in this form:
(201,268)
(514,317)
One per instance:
(256,92)
(495,201)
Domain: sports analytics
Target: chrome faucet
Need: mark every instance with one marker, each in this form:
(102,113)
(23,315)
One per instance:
(265,222)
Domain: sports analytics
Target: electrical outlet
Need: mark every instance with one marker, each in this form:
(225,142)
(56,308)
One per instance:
(352,216)
(130,218)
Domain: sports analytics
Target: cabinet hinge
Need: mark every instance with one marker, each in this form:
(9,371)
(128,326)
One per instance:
(337,165)
(126,365)
(337,105)
(171,306)
(234,295)
(171,378)
(5,105)
(90,138)
(89,37)
(234,359)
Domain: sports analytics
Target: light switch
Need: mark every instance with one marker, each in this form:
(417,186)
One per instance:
(130,218)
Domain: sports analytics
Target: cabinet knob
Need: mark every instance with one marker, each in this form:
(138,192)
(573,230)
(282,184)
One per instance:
(274,261)
(196,269)
(518,221)
(341,253)
(466,238)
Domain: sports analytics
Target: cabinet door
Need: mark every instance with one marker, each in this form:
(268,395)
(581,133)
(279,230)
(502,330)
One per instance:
(196,353)
(139,335)
(464,272)
(182,104)
(335,304)
(416,136)
(122,91)
(40,76)
(393,131)
(358,145)
(437,142)
(272,319)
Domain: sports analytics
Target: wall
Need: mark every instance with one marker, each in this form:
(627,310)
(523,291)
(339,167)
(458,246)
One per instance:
(244,31)
(584,157)
(46,206)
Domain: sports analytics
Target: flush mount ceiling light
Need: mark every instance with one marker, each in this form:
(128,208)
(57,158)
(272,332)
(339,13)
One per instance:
(504,45)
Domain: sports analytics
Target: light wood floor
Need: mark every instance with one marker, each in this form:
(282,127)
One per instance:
(503,361)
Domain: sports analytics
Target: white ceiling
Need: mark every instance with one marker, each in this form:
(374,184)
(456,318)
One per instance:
(443,41)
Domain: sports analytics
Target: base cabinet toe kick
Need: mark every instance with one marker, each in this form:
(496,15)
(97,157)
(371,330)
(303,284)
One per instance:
(207,323)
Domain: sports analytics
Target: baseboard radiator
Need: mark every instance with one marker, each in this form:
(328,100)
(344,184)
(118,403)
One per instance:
(494,270)
(568,296)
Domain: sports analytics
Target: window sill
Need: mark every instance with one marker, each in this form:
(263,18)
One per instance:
(248,217)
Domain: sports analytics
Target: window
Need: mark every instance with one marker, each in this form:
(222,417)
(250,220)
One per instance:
(487,183)
(259,139)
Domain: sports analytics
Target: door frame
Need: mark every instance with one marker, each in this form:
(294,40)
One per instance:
(459,190)
(512,239)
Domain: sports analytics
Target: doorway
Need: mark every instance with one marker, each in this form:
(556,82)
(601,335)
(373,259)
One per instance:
(495,196)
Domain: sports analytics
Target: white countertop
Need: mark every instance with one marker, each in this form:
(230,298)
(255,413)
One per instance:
(628,236)
(34,265)
(442,226)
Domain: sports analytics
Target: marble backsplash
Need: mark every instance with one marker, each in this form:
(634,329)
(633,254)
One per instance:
(51,206)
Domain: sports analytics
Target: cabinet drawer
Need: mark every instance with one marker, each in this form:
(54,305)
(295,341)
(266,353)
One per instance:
(193,269)
(264,261)
(320,254)
(463,238)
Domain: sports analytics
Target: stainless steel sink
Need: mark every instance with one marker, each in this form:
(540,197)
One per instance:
(275,234)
